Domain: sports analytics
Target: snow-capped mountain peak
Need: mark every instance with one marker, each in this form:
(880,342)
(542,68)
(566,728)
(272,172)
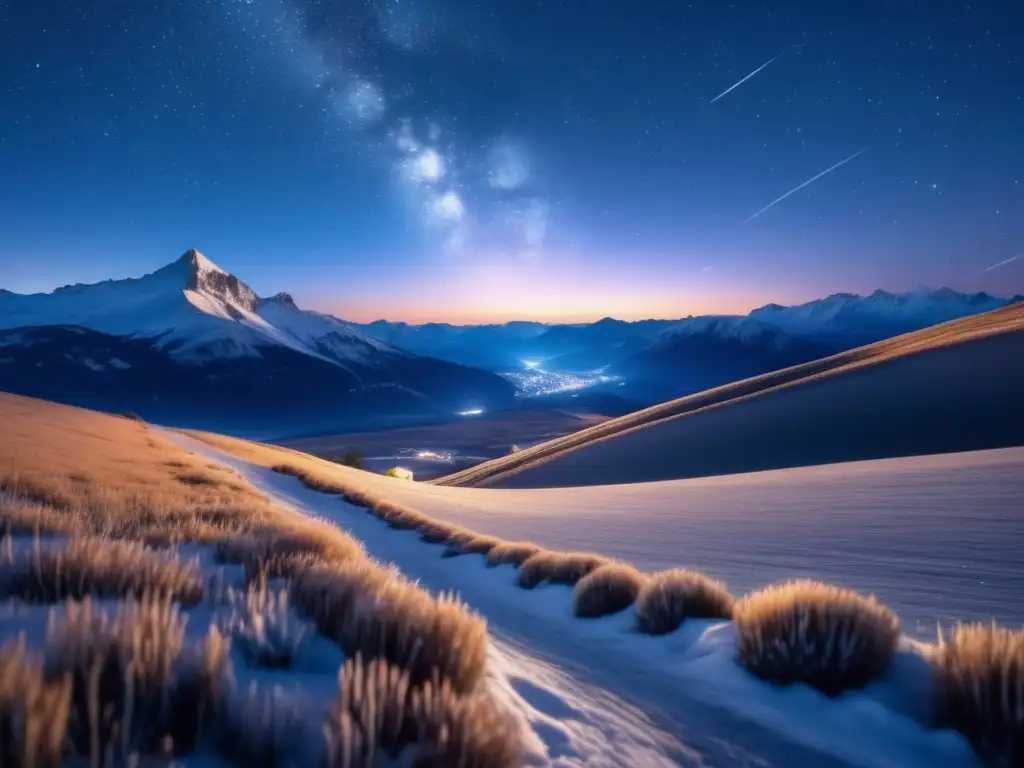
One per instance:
(194,310)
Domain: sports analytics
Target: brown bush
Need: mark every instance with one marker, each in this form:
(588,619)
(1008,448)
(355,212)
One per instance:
(511,553)
(670,597)
(808,632)
(33,712)
(558,568)
(97,567)
(979,689)
(606,590)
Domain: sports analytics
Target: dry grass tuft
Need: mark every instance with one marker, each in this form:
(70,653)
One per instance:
(134,690)
(807,632)
(606,590)
(464,732)
(261,624)
(97,567)
(670,597)
(480,545)
(511,553)
(979,689)
(20,517)
(33,712)
(273,553)
(558,568)
(379,615)
(380,715)
(440,532)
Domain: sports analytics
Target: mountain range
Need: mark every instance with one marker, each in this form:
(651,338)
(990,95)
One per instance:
(191,344)
(660,359)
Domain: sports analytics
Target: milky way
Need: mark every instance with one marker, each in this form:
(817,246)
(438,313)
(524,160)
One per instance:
(372,63)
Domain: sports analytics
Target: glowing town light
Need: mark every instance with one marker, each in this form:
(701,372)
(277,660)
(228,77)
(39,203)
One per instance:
(471,412)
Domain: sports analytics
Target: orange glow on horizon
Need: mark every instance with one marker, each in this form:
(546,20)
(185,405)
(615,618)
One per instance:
(549,290)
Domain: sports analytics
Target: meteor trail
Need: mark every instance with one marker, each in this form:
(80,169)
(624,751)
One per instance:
(1003,263)
(809,181)
(741,82)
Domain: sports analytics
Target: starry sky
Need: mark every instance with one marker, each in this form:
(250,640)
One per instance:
(474,160)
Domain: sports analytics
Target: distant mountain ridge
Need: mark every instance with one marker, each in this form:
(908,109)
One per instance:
(660,359)
(191,343)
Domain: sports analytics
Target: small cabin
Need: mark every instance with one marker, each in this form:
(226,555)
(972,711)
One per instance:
(400,473)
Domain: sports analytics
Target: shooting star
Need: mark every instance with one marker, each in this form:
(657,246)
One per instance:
(809,181)
(1004,262)
(741,82)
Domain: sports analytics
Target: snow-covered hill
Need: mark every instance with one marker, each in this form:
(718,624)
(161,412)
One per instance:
(952,387)
(193,344)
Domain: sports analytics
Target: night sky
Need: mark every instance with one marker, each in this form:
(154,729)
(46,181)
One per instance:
(468,160)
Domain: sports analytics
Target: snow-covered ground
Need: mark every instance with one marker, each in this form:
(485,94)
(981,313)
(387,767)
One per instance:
(596,692)
(937,538)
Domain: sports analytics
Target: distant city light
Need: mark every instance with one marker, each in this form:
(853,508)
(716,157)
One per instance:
(471,412)
(535,382)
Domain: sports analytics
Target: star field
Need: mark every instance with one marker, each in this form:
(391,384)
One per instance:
(461,160)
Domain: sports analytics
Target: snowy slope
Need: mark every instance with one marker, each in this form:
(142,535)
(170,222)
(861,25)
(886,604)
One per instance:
(693,705)
(953,387)
(936,537)
(194,310)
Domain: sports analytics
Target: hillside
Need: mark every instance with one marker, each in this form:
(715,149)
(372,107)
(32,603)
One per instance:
(587,665)
(950,387)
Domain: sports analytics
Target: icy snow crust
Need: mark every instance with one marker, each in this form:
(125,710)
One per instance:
(596,692)
(194,310)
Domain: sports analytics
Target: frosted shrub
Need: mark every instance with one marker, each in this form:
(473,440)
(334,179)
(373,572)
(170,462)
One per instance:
(605,590)
(670,597)
(979,689)
(558,568)
(808,632)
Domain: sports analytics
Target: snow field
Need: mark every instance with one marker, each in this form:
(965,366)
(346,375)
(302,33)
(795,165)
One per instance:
(670,673)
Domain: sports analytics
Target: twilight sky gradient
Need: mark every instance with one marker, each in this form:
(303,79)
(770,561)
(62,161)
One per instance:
(469,160)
